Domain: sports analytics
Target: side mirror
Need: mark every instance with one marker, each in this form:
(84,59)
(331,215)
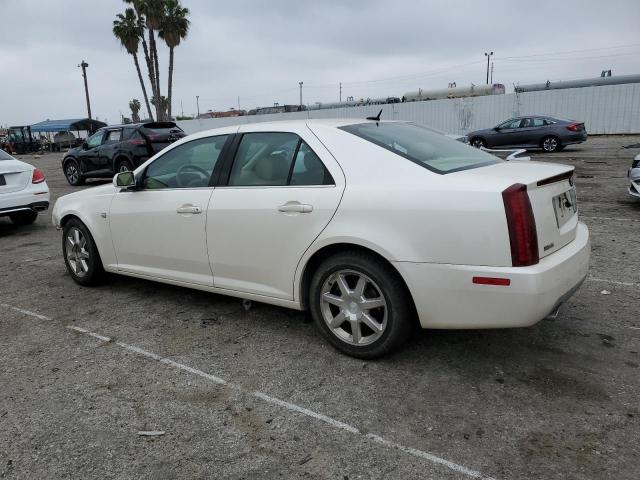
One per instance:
(85,146)
(124,180)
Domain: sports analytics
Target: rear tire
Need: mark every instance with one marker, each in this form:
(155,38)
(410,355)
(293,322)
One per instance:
(72,173)
(478,142)
(80,254)
(23,218)
(550,144)
(124,166)
(360,305)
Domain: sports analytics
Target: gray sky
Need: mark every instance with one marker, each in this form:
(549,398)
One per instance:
(259,51)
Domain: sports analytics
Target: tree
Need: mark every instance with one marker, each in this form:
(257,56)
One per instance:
(161,106)
(126,28)
(175,27)
(134,105)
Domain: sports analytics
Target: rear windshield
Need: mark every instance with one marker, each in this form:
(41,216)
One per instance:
(5,156)
(162,128)
(421,145)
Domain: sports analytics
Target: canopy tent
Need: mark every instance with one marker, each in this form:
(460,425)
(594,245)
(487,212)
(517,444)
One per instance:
(84,124)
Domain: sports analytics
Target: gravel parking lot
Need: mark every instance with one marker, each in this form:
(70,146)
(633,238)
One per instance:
(258,393)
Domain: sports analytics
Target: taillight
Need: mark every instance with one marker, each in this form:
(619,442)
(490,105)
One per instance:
(38,176)
(574,127)
(523,236)
(136,141)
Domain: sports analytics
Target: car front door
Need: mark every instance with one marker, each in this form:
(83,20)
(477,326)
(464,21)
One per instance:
(158,229)
(88,155)
(107,151)
(506,133)
(278,193)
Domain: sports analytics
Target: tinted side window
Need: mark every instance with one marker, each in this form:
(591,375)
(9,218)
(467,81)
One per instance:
(95,140)
(263,159)
(539,122)
(113,136)
(189,165)
(308,169)
(126,133)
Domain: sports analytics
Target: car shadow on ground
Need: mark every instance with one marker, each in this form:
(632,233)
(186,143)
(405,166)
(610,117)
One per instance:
(7,228)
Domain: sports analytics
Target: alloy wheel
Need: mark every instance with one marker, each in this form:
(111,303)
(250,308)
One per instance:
(72,173)
(550,144)
(77,253)
(353,307)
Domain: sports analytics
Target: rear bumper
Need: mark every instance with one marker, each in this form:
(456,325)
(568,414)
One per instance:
(34,198)
(32,207)
(445,296)
(574,138)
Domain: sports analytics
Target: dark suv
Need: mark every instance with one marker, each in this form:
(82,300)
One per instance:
(118,148)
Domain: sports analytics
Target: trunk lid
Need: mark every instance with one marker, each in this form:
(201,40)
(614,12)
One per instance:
(551,193)
(14,175)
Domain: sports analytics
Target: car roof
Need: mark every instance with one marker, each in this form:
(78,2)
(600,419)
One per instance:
(139,124)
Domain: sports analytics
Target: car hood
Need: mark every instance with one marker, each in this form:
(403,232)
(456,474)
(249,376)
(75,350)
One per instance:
(105,189)
(14,166)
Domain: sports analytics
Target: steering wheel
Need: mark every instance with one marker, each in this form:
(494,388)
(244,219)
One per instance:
(196,169)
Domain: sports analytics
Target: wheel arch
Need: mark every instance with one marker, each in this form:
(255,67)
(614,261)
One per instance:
(120,157)
(75,215)
(318,256)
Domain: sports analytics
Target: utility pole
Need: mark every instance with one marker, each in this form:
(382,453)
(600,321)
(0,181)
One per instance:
(84,66)
(181,109)
(491,72)
(198,104)
(488,55)
(340,91)
(238,103)
(300,83)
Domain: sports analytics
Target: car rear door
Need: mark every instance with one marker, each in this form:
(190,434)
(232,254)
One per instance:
(108,149)
(277,193)
(531,132)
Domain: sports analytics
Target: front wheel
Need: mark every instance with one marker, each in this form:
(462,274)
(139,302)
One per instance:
(81,254)
(360,305)
(550,144)
(72,173)
(478,143)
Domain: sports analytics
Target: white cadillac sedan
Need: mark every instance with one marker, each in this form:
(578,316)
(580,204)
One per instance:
(23,190)
(374,226)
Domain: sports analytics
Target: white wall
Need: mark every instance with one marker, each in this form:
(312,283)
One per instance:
(604,110)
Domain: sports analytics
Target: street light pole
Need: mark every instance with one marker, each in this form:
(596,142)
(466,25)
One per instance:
(198,104)
(300,83)
(84,66)
(488,55)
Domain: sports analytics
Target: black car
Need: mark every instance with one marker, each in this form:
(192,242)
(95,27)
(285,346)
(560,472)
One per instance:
(118,148)
(550,134)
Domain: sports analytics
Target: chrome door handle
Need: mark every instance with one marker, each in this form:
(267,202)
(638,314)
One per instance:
(295,207)
(188,208)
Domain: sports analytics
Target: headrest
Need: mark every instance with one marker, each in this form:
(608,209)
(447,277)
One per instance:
(272,167)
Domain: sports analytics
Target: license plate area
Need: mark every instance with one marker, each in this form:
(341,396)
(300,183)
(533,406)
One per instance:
(565,206)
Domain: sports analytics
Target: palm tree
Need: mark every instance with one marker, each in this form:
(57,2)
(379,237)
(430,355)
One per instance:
(134,105)
(150,13)
(126,29)
(161,106)
(174,28)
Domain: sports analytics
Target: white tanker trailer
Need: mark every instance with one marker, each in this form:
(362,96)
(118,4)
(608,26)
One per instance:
(454,92)
(585,82)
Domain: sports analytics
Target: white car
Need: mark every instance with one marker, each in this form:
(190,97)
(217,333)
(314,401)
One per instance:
(23,190)
(634,177)
(373,226)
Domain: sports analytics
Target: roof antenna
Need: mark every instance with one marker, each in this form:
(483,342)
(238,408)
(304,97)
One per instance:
(376,118)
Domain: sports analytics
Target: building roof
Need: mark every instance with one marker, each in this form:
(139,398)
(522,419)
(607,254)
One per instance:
(67,125)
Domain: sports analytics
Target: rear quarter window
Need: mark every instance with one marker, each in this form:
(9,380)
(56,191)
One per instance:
(430,150)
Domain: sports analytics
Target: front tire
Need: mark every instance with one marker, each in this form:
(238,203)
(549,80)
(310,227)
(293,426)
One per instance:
(551,144)
(360,304)
(478,142)
(80,253)
(72,173)
(23,218)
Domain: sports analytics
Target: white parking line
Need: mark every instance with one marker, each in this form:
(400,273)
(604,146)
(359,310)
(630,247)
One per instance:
(616,219)
(430,457)
(613,282)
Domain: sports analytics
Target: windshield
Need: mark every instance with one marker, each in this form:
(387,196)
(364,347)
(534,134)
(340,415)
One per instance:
(5,156)
(421,145)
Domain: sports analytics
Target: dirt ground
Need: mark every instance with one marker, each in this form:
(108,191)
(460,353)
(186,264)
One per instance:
(84,370)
